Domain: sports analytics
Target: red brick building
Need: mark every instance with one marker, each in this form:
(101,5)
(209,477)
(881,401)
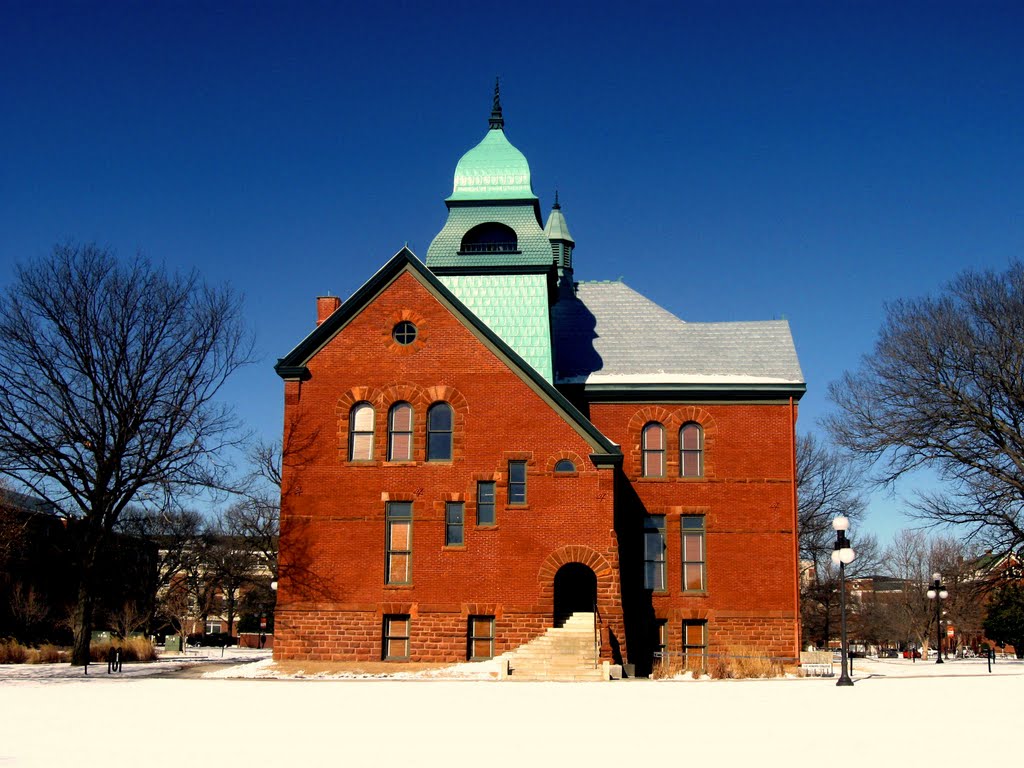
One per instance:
(479,447)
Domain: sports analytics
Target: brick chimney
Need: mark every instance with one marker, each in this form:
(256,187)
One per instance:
(325,306)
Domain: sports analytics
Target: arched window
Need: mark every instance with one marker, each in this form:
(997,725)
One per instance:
(360,432)
(491,237)
(565,465)
(400,432)
(654,450)
(439,432)
(691,450)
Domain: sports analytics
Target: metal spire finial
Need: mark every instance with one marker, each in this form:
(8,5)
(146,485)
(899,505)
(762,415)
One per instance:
(556,206)
(497,121)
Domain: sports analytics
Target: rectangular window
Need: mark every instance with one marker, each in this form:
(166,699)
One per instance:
(396,637)
(481,637)
(398,566)
(695,645)
(654,553)
(485,503)
(454,522)
(517,482)
(213,627)
(693,553)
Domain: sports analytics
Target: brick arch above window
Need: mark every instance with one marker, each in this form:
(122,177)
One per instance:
(343,413)
(564,456)
(443,393)
(672,418)
(422,332)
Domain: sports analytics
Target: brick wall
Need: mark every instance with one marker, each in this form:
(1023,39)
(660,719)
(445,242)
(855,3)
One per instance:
(332,581)
(745,496)
(333,596)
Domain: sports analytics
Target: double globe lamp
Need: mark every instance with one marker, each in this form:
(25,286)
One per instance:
(843,555)
(938,590)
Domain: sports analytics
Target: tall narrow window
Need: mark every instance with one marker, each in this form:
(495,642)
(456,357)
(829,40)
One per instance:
(360,432)
(517,482)
(439,432)
(400,432)
(485,503)
(396,637)
(398,566)
(693,553)
(454,523)
(660,638)
(691,450)
(654,553)
(481,637)
(695,645)
(654,450)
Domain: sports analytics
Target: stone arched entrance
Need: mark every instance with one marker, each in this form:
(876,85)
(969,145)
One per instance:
(575,591)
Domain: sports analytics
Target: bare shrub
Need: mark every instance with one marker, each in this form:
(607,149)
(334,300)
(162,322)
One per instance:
(667,668)
(12,652)
(132,649)
(51,654)
(741,662)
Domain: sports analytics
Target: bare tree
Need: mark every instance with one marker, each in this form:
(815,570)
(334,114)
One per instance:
(943,389)
(129,618)
(820,585)
(911,560)
(828,485)
(109,374)
(175,535)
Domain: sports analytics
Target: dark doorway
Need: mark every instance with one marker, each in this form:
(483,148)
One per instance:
(575,591)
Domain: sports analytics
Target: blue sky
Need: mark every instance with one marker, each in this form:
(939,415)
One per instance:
(730,160)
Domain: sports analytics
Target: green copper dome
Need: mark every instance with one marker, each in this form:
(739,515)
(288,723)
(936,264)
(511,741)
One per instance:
(493,170)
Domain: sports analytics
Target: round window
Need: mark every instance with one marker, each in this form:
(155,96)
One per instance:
(404,333)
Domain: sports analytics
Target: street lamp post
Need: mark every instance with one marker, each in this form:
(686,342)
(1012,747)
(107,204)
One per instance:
(843,554)
(938,593)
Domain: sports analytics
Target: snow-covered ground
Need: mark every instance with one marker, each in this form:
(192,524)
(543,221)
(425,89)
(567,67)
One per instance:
(899,713)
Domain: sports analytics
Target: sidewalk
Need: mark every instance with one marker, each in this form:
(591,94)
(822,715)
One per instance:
(165,662)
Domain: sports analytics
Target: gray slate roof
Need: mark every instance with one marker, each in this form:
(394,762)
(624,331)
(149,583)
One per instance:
(611,334)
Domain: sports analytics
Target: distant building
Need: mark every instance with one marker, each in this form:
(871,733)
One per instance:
(490,447)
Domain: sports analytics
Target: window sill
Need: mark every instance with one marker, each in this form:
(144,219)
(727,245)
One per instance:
(693,593)
(453,548)
(513,507)
(486,527)
(398,586)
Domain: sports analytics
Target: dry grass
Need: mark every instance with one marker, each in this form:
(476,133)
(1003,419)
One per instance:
(743,662)
(12,652)
(132,649)
(673,666)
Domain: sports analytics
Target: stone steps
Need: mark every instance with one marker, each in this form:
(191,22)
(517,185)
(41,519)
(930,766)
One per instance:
(563,653)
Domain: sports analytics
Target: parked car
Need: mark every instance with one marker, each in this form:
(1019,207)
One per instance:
(888,653)
(914,654)
(215,640)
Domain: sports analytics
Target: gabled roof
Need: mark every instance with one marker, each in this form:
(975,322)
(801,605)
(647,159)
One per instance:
(293,365)
(609,336)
